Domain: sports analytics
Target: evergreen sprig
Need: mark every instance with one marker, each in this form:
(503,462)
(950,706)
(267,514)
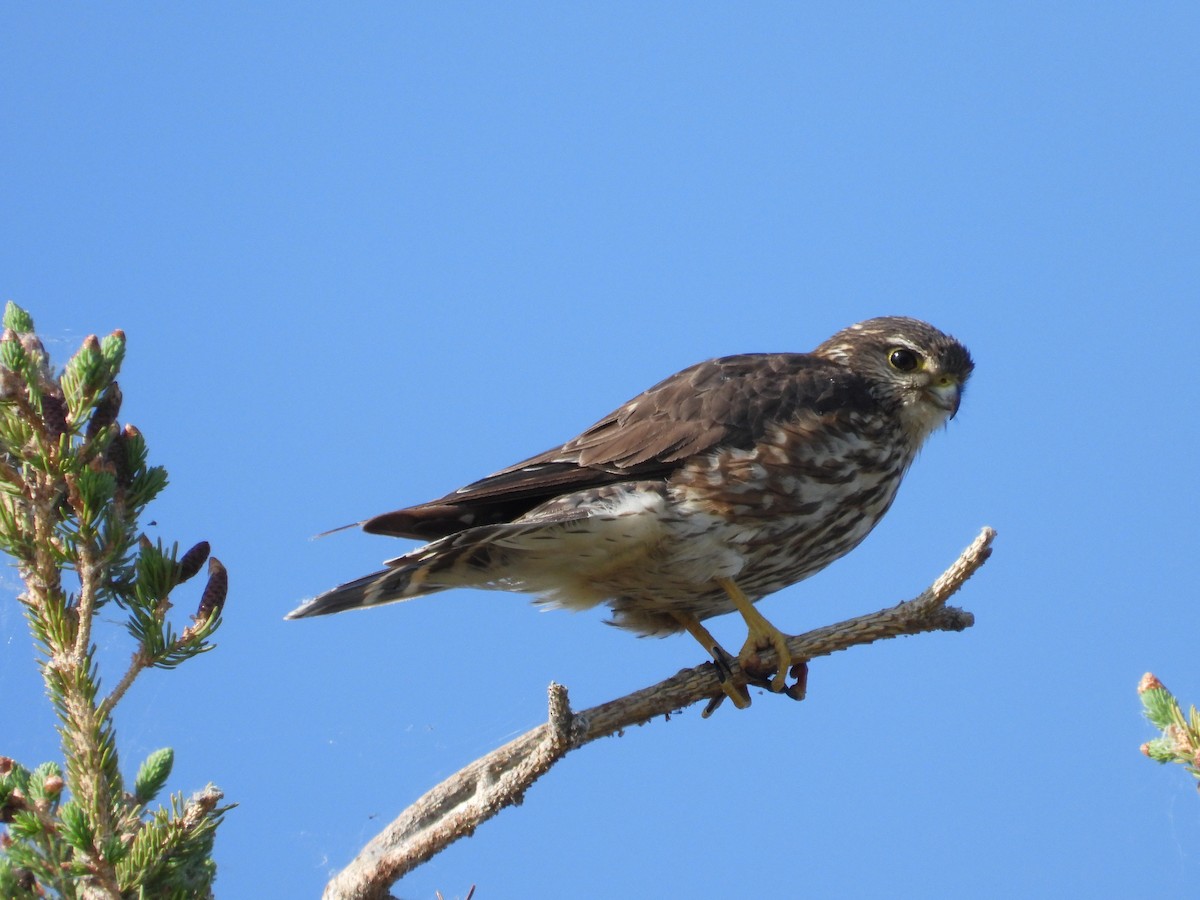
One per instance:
(1180,738)
(73,486)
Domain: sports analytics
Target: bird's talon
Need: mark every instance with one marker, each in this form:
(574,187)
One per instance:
(733,689)
(711,706)
(723,663)
(737,693)
(799,688)
(754,673)
(752,663)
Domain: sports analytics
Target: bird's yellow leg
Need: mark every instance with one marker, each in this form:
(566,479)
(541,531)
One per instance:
(762,634)
(736,692)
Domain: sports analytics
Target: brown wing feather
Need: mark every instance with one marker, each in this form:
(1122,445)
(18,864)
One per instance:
(721,402)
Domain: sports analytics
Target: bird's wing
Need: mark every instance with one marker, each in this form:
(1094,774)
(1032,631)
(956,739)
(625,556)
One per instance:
(722,402)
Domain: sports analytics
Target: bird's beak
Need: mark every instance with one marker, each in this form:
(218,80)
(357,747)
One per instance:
(946,392)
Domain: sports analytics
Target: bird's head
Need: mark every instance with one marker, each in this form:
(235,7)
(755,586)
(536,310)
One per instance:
(908,363)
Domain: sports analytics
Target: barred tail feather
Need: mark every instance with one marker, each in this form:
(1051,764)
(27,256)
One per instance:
(387,586)
(460,560)
(488,556)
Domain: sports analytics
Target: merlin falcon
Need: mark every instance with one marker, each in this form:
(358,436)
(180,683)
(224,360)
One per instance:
(722,484)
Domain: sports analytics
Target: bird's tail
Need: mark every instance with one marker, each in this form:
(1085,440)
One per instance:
(467,559)
(385,586)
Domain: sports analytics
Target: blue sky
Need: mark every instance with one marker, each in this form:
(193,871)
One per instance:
(366,253)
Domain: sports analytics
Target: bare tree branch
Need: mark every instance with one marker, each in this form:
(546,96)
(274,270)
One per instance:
(457,806)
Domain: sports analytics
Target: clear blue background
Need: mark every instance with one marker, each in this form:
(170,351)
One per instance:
(366,253)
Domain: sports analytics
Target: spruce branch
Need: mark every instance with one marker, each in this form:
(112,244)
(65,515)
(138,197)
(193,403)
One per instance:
(73,486)
(1179,741)
(461,803)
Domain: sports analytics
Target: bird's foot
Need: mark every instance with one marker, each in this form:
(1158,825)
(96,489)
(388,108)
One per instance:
(762,635)
(798,689)
(752,664)
(734,688)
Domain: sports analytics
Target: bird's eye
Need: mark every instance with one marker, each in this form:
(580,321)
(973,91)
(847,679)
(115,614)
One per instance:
(904,360)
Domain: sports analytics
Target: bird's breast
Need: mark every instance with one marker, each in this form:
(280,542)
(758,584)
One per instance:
(805,494)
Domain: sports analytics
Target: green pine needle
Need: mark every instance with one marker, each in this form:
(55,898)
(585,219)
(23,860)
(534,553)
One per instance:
(17,319)
(1160,707)
(76,827)
(112,348)
(153,774)
(13,357)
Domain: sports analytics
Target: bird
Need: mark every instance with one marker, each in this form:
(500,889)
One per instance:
(720,485)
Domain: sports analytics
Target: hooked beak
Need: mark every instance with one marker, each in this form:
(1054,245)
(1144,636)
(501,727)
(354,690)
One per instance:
(946,392)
